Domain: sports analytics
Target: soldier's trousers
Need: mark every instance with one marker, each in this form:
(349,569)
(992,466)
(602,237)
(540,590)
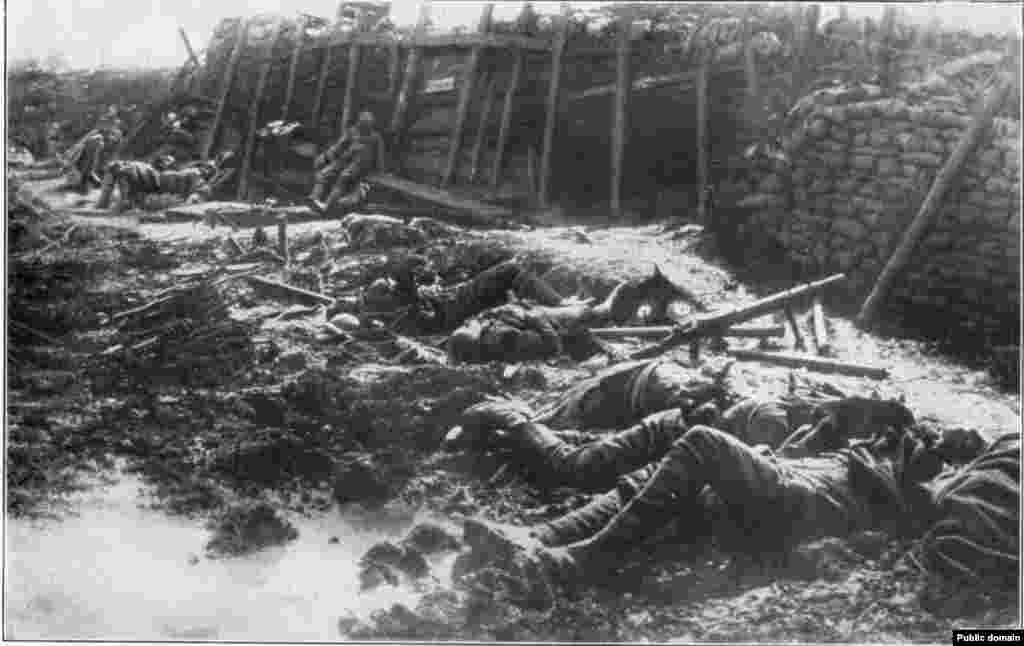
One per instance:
(490,289)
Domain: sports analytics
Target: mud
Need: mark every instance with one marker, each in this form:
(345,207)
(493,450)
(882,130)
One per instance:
(252,429)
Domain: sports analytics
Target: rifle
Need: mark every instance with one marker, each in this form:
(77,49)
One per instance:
(717,323)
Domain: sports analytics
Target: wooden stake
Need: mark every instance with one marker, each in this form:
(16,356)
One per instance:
(620,107)
(321,85)
(798,338)
(506,119)
(188,47)
(293,69)
(819,328)
(394,68)
(229,77)
(811,363)
(409,83)
(254,116)
(481,131)
(296,292)
(702,139)
(903,254)
(465,97)
(282,237)
(551,108)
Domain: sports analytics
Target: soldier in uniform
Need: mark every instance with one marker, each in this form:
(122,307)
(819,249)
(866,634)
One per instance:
(343,167)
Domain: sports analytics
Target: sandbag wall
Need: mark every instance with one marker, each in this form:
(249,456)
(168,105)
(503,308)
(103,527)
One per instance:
(855,168)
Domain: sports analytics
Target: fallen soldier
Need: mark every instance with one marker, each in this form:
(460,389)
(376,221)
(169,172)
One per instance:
(136,180)
(344,166)
(508,314)
(772,502)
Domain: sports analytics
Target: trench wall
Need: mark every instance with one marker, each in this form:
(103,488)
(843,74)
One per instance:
(853,170)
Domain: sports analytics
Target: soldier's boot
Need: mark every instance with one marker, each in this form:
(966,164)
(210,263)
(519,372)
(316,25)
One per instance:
(106,192)
(579,524)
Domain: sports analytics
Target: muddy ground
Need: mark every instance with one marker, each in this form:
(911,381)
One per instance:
(240,410)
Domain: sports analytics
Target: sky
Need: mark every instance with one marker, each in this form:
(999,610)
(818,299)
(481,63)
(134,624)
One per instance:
(128,33)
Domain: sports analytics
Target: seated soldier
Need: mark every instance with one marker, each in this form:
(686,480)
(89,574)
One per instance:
(772,502)
(86,158)
(343,167)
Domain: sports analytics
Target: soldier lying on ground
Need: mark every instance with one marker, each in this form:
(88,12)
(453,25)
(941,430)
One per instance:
(508,314)
(136,179)
(887,481)
(345,165)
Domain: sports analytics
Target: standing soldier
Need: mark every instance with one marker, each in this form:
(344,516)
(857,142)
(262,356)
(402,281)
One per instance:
(345,165)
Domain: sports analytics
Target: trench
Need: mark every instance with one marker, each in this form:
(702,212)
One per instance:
(117,569)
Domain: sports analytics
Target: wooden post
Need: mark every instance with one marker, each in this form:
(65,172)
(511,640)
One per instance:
(293,68)
(282,237)
(355,51)
(884,60)
(702,138)
(750,71)
(481,131)
(229,78)
(321,85)
(811,363)
(254,115)
(188,47)
(798,338)
(394,68)
(933,200)
(620,107)
(506,118)
(551,114)
(409,83)
(819,328)
(465,97)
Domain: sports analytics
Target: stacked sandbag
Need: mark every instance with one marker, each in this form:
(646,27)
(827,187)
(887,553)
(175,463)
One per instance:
(853,171)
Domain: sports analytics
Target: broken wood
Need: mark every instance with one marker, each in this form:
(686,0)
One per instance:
(659,332)
(293,69)
(481,132)
(296,292)
(714,324)
(818,327)
(254,116)
(552,104)
(620,108)
(903,254)
(506,119)
(465,97)
(794,326)
(188,47)
(63,239)
(818,364)
(282,237)
(226,83)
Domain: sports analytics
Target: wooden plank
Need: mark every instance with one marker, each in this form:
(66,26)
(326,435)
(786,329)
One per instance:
(929,210)
(481,131)
(409,83)
(293,69)
(485,212)
(818,364)
(821,342)
(506,119)
(660,331)
(551,107)
(254,116)
(620,108)
(702,141)
(465,97)
(229,78)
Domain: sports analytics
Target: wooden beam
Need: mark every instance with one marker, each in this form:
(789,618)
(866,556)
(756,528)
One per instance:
(620,108)
(506,118)
(481,131)
(818,364)
(304,295)
(254,116)
(293,69)
(351,80)
(188,47)
(885,54)
(321,86)
(702,142)
(465,97)
(409,84)
(903,254)
(394,68)
(794,326)
(445,41)
(686,80)
(551,112)
(226,83)
(754,108)
(660,331)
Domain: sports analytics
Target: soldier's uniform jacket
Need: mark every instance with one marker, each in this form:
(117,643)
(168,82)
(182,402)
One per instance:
(368,150)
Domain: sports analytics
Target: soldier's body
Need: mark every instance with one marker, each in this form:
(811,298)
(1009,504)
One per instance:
(136,179)
(343,167)
(86,159)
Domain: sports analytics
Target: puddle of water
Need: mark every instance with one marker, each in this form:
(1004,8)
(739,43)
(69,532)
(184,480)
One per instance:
(119,571)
